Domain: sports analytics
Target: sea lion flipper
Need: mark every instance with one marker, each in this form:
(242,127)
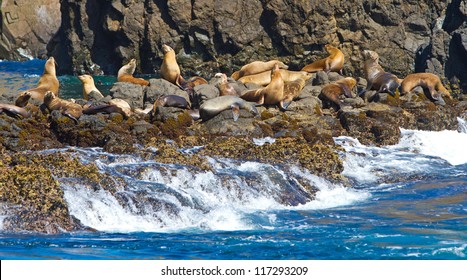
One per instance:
(284,104)
(235,111)
(347,91)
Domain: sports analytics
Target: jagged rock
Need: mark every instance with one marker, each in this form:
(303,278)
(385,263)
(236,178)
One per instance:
(223,124)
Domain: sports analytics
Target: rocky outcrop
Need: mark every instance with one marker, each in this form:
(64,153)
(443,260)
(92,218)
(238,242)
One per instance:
(220,36)
(26,27)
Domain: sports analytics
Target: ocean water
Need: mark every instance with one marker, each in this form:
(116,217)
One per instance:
(406,201)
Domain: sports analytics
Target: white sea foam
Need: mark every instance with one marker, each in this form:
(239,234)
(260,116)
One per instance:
(262,141)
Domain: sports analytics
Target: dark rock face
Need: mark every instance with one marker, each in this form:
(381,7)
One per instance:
(220,36)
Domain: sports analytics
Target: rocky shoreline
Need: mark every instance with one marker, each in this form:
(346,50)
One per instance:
(32,199)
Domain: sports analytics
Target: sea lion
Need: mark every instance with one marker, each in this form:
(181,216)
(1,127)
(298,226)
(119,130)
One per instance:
(115,105)
(125,74)
(47,82)
(256,67)
(14,111)
(333,91)
(292,90)
(23,99)
(89,88)
(170,70)
(264,78)
(427,81)
(170,100)
(272,94)
(377,78)
(212,107)
(225,88)
(334,62)
(67,108)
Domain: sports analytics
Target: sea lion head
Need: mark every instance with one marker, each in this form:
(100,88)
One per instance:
(48,97)
(370,55)
(351,82)
(85,78)
(166,49)
(222,77)
(23,99)
(50,65)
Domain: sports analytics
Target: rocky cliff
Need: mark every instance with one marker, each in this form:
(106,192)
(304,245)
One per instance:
(212,36)
(27,26)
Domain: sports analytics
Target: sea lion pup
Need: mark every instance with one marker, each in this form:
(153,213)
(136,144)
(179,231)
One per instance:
(334,62)
(23,99)
(225,88)
(333,91)
(264,78)
(256,67)
(89,88)
(125,74)
(47,82)
(170,70)
(272,94)
(115,105)
(427,81)
(14,111)
(212,107)
(67,108)
(377,78)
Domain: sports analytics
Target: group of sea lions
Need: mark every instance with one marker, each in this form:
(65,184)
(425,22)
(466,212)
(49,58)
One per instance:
(275,86)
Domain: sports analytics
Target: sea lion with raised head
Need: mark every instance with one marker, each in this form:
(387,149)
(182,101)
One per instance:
(333,91)
(256,67)
(427,81)
(212,107)
(67,108)
(47,82)
(170,70)
(125,74)
(334,62)
(89,88)
(225,88)
(14,111)
(264,78)
(377,78)
(272,94)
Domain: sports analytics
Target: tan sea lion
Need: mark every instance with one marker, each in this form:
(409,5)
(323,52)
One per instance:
(225,88)
(333,91)
(377,78)
(67,108)
(14,111)
(170,70)
(334,62)
(264,78)
(272,94)
(89,88)
(212,107)
(47,82)
(256,67)
(115,105)
(292,90)
(125,74)
(427,81)
(23,99)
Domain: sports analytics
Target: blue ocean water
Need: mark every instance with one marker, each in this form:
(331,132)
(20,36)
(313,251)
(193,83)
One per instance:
(407,201)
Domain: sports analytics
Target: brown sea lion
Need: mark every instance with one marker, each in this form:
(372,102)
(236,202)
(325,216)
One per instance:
(212,107)
(225,88)
(125,74)
(67,108)
(272,94)
(334,62)
(23,99)
(333,91)
(264,78)
(377,78)
(256,67)
(170,100)
(89,88)
(170,70)
(292,90)
(115,105)
(14,111)
(47,82)
(427,81)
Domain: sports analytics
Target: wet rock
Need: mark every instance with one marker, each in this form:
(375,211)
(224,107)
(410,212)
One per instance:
(223,124)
